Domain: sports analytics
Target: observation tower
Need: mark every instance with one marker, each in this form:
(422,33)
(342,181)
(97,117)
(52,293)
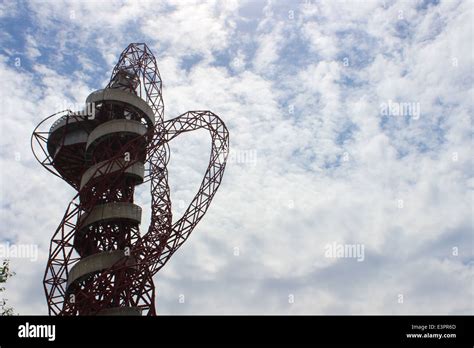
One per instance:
(100,263)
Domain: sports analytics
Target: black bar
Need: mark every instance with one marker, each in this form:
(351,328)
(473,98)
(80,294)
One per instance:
(289,330)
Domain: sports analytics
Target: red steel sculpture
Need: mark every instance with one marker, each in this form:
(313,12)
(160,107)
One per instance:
(99,263)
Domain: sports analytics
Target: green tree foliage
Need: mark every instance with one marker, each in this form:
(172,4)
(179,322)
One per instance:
(4,275)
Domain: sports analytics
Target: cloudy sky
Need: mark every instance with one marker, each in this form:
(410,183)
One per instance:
(349,121)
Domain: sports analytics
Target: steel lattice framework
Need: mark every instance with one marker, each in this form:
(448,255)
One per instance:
(99,262)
